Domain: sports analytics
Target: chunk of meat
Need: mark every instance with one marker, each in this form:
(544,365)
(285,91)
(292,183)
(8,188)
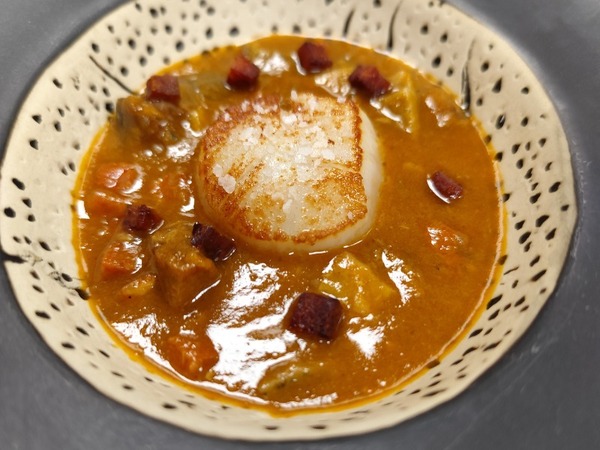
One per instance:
(369,80)
(313,57)
(243,74)
(356,284)
(140,121)
(191,356)
(316,315)
(121,178)
(141,218)
(121,257)
(212,243)
(446,188)
(164,88)
(184,273)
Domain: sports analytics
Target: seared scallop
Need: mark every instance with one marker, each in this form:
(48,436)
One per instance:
(291,174)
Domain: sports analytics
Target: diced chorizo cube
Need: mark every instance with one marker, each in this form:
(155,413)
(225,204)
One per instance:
(316,315)
(446,188)
(212,243)
(369,80)
(313,57)
(191,356)
(141,218)
(356,284)
(118,177)
(121,257)
(243,74)
(164,88)
(139,286)
(184,273)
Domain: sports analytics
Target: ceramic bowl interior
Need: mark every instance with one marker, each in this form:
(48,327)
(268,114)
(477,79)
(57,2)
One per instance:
(77,92)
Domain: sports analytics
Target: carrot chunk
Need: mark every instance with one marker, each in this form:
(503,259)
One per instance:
(316,315)
(369,80)
(163,88)
(121,257)
(191,356)
(99,203)
(243,74)
(313,57)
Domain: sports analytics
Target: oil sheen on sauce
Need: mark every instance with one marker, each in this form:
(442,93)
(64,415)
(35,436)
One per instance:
(409,285)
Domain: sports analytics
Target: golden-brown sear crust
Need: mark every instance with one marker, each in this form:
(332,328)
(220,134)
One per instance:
(286,173)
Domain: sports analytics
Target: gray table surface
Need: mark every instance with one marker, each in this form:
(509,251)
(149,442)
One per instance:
(545,393)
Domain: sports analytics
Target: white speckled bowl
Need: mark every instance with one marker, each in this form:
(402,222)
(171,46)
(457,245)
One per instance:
(73,97)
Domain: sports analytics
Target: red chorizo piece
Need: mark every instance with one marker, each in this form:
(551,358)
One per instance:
(213,244)
(313,57)
(316,315)
(243,74)
(163,88)
(141,218)
(446,188)
(369,80)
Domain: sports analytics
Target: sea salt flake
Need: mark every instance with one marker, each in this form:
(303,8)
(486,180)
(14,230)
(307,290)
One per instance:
(288,119)
(259,109)
(227,182)
(312,104)
(329,155)
(217,170)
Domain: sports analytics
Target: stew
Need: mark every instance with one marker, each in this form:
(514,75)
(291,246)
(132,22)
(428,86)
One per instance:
(241,230)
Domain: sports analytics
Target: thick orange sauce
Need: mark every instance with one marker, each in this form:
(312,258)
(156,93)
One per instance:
(437,259)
